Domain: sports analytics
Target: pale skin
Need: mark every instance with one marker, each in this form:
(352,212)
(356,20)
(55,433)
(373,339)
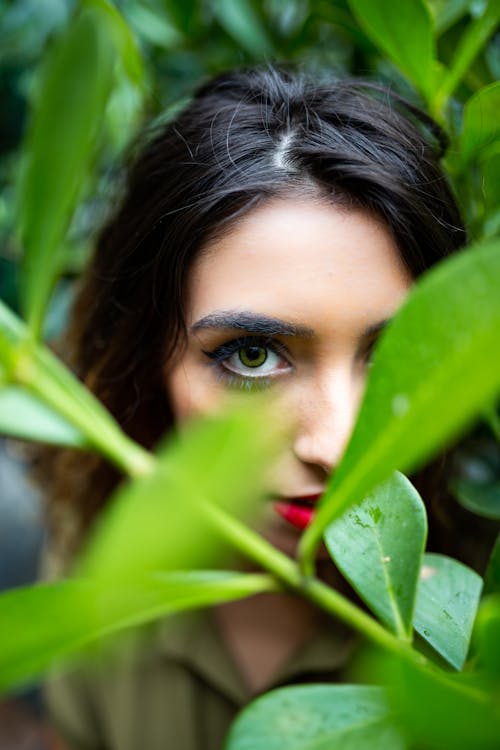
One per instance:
(327,278)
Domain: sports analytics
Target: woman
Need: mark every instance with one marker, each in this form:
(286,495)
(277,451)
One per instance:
(264,239)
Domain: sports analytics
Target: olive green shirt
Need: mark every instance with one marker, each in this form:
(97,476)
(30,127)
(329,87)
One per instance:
(180,691)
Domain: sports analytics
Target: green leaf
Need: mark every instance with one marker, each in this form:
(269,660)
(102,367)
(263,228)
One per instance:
(492,59)
(29,643)
(24,416)
(474,38)
(448,12)
(487,637)
(215,462)
(122,36)
(239,19)
(163,593)
(60,145)
(38,371)
(378,546)
(185,14)
(317,717)
(405,34)
(422,389)
(482,498)
(481,125)
(492,575)
(490,171)
(447,602)
(73,613)
(123,113)
(155,28)
(440,710)
(13,333)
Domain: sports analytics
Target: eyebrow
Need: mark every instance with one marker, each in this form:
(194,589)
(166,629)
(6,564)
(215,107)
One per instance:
(266,325)
(253,323)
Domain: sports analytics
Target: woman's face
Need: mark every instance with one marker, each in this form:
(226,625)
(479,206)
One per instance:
(291,299)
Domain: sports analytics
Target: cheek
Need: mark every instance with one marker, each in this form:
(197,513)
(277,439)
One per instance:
(178,392)
(192,390)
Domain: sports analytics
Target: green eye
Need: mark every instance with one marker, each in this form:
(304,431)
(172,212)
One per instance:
(252,356)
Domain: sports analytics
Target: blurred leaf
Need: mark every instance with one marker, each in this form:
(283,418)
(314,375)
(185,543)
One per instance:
(60,145)
(122,36)
(471,43)
(447,602)
(71,614)
(217,462)
(163,593)
(37,370)
(482,498)
(25,26)
(404,34)
(183,14)
(319,717)
(448,12)
(155,28)
(26,417)
(491,226)
(443,711)
(492,575)
(378,546)
(28,644)
(239,19)
(123,112)
(490,171)
(13,332)
(481,125)
(58,311)
(492,57)
(487,634)
(437,383)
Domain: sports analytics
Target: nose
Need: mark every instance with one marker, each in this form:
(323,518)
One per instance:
(326,416)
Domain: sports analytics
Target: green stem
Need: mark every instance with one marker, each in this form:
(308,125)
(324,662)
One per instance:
(252,545)
(436,110)
(286,570)
(25,361)
(40,372)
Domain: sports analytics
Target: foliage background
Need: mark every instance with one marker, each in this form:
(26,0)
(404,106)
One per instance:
(182,43)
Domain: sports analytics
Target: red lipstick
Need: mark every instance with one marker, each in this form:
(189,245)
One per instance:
(298,511)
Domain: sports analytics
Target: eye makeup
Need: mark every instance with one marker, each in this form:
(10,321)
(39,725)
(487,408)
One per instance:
(250,362)
(370,339)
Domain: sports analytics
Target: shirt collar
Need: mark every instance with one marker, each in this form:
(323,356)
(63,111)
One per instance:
(194,640)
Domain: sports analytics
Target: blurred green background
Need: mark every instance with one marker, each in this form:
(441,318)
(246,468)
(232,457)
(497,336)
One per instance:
(182,42)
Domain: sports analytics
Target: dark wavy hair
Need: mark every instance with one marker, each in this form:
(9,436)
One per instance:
(246,137)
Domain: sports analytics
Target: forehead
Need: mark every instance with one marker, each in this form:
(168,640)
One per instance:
(303,259)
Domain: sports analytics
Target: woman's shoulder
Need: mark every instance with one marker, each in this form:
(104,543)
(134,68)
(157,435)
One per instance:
(153,690)
(173,685)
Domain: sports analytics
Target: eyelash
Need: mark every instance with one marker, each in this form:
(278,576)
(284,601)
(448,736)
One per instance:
(255,382)
(368,350)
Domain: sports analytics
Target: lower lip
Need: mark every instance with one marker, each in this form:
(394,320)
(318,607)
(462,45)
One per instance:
(299,516)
